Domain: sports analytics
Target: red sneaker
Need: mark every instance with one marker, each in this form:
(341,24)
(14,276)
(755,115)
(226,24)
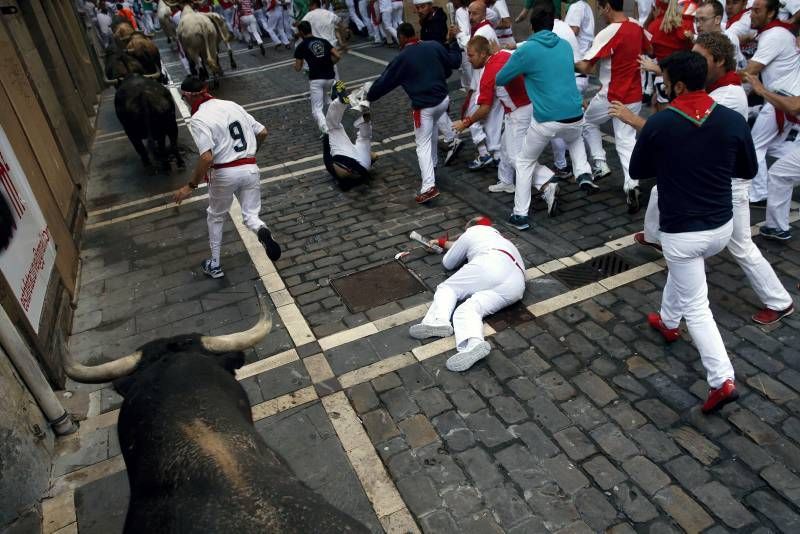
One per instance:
(428,195)
(768,316)
(639,238)
(717,398)
(669,334)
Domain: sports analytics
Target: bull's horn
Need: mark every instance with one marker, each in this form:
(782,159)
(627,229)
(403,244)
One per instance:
(105,372)
(242,340)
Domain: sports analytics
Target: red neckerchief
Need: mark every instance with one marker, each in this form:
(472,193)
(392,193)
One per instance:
(729,78)
(204,96)
(776,24)
(411,41)
(695,106)
(478,26)
(736,17)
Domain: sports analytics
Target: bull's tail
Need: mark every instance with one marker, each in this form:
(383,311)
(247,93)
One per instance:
(211,57)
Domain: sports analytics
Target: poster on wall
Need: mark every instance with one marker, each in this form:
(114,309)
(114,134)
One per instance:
(27,252)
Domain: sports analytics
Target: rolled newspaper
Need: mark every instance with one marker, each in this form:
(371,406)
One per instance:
(450,14)
(419,239)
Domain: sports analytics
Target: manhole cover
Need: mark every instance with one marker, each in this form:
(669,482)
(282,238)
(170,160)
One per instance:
(513,315)
(592,271)
(377,286)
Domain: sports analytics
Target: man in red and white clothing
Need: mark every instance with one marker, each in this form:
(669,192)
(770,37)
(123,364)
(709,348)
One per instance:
(249,25)
(777,60)
(516,105)
(616,51)
(498,15)
(486,134)
(738,25)
(227,139)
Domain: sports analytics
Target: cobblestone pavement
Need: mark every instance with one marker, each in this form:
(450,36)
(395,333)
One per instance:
(580,420)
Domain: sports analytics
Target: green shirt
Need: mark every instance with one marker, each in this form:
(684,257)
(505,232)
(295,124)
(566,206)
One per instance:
(556,5)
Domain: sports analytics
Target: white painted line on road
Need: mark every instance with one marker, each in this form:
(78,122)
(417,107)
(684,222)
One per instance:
(369,58)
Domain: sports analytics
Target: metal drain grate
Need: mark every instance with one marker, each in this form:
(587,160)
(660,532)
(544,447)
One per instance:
(592,271)
(376,286)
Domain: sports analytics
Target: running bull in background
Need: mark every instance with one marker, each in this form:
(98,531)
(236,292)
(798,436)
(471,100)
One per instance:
(195,461)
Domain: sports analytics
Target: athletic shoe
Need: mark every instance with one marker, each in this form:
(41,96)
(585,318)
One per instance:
(273,249)
(213,272)
(263,51)
(461,361)
(424,331)
(639,238)
(495,162)
(562,174)
(520,222)
(646,99)
(501,187)
(600,169)
(768,316)
(427,196)
(586,183)
(250,45)
(760,204)
(669,334)
(356,97)
(775,234)
(480,162)
(452,150)
(717,398)
(549,193)
(339,90)
(633,200)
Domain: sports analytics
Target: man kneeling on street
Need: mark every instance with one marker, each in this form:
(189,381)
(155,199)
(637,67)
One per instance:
(493,278)
(346,161)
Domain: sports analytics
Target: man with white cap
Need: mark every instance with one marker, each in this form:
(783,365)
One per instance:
(493,278)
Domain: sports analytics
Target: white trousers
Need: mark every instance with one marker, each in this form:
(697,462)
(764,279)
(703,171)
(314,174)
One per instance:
(537,137)
(351,9)
(249,27)
(227,14)
(686,295)
(759,272)
(488,283)
(488,130)
(275,26)
(466,72)
(624,135)
(445,126)
(340,141)
(558,145)
(765,133)
(783,176)
(397,13)
(320,96)
(516,124)
(426,122)
(241,181)
(387,25)
(148,21)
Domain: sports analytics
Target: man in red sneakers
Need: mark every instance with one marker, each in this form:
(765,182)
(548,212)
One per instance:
(693,148)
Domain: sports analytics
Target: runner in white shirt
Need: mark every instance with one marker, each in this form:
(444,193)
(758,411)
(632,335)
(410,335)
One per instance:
(724,86)
(324,24)
(492,278)
(644,8)
(777,60)
(386,8)
(580,18)
(227,138)
(708,18)
(502,23)
(463,36)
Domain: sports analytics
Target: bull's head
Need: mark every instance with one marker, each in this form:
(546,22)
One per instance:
(222,344)
(120,65)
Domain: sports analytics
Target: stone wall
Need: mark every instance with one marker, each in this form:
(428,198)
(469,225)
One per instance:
(26,445)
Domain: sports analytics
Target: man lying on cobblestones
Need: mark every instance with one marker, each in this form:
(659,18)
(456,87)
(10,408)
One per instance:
(493,278)
(227,138)
(693,148)
(725,87)
(422,69)
(346,161)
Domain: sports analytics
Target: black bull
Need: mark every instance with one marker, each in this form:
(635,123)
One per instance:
(194,459)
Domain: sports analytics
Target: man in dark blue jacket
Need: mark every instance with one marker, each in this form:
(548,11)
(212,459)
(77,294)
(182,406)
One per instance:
(422,69)
(693,148)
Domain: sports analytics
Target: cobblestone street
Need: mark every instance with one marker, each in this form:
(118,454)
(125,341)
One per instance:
(581,419)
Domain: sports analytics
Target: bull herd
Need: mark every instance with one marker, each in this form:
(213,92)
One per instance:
(143,105)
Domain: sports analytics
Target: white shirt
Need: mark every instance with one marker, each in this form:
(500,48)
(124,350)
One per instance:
(777,51)
(103,23)
(488,32)
(645,7)
(323,24)
(478,240)
(581,16)
(462,21)
(563,30)
(495,14)
(741,61)
(788,9)
(741,28)
(226,129)
(732,97)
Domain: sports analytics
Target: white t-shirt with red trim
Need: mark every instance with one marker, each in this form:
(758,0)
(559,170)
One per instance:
(512,96)
(484,30)
(617,49)
(226,129)
(500,12)
(777,51)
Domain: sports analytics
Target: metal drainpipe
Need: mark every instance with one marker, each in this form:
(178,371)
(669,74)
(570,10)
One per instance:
(34,379)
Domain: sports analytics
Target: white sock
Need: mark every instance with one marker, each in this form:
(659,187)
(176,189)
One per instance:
(482,152)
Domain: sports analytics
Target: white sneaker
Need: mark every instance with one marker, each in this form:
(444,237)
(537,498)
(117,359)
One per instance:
(501,187)
(424,331)
(461,361)
(601,169)
(549,193)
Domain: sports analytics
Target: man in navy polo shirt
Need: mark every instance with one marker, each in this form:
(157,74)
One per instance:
(693,148)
